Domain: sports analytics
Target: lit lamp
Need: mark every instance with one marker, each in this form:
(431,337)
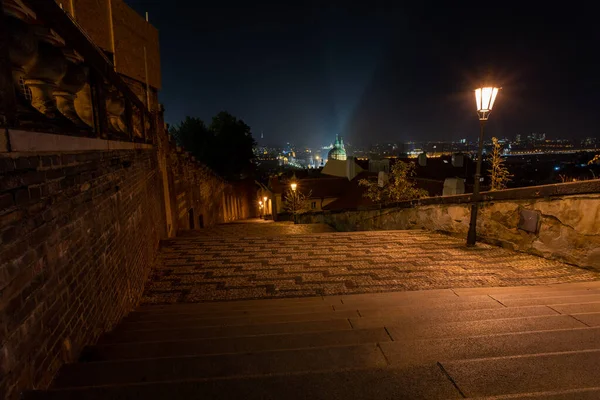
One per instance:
(265,203)
(485,98)
(294,185)
(260,207)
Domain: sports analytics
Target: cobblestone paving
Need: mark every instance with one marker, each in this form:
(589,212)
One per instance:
(270,260)
(259,227)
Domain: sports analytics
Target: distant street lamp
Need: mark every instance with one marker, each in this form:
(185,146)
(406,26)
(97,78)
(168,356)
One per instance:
(265,203)
(294,185)
(484,97)
(260,206)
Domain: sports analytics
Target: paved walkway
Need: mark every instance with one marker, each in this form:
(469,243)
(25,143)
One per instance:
(272,260)
(533,342)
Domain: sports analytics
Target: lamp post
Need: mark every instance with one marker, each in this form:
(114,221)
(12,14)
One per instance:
(294,185)
(260,206)
(265,203)
(484,97)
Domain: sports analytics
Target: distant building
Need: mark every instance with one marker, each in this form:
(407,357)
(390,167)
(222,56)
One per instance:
(346,168)
(377,166)
(338,152)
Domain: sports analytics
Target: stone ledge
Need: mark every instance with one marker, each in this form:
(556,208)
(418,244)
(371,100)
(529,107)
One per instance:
(28,142)
(531,192)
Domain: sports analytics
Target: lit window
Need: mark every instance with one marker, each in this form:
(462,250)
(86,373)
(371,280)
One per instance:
(313,205)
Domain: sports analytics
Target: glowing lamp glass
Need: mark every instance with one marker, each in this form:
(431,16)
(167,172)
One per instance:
(485,98)
(294,185)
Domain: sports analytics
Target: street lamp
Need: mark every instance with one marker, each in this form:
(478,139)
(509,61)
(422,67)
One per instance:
(260,207)
(265,203)
(484,97)
(294,185)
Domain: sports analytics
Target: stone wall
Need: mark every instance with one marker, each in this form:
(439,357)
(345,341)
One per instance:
(79,232)
(569,220)
(200,198)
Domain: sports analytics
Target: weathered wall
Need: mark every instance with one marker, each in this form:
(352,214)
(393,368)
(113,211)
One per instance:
(130,31)
(196,193)
(569,227)
(94,17)
(79,233)
(132,34)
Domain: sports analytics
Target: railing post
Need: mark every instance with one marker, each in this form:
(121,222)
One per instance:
(99,104)
(143,121)
(129,119)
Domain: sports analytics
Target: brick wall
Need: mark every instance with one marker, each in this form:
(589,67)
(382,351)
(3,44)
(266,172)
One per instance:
(79,232)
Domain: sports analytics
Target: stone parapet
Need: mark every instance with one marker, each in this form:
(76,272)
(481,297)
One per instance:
(568,226)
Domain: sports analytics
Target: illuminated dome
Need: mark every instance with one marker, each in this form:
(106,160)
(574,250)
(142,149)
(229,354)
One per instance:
(338,152)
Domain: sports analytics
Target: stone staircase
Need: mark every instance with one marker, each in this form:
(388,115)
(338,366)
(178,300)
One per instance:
(519,343)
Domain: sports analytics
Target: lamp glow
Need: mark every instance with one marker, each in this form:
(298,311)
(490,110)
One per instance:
(294,185)
(485,98)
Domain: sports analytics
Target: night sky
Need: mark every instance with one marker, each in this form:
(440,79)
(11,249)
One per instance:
(377,72)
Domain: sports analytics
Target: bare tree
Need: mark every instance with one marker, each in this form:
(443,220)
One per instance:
(499,173)
(295,202)
(399,187)
(595,160)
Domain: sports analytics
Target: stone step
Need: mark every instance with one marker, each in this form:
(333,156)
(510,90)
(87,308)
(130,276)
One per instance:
(390,315)
(242,344)
(534,290)
(264,305)
(420,298)
(449,314)
(545,294)
(183,322)
(590,319)
(472,328)
(219,365)
(422,351)
(573,394)
(243,304)
(422,301)
(549,300)
(577,308)
(224,331)
(433,298)
(371,384)
(176,313)
(526,373)
(412,308)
